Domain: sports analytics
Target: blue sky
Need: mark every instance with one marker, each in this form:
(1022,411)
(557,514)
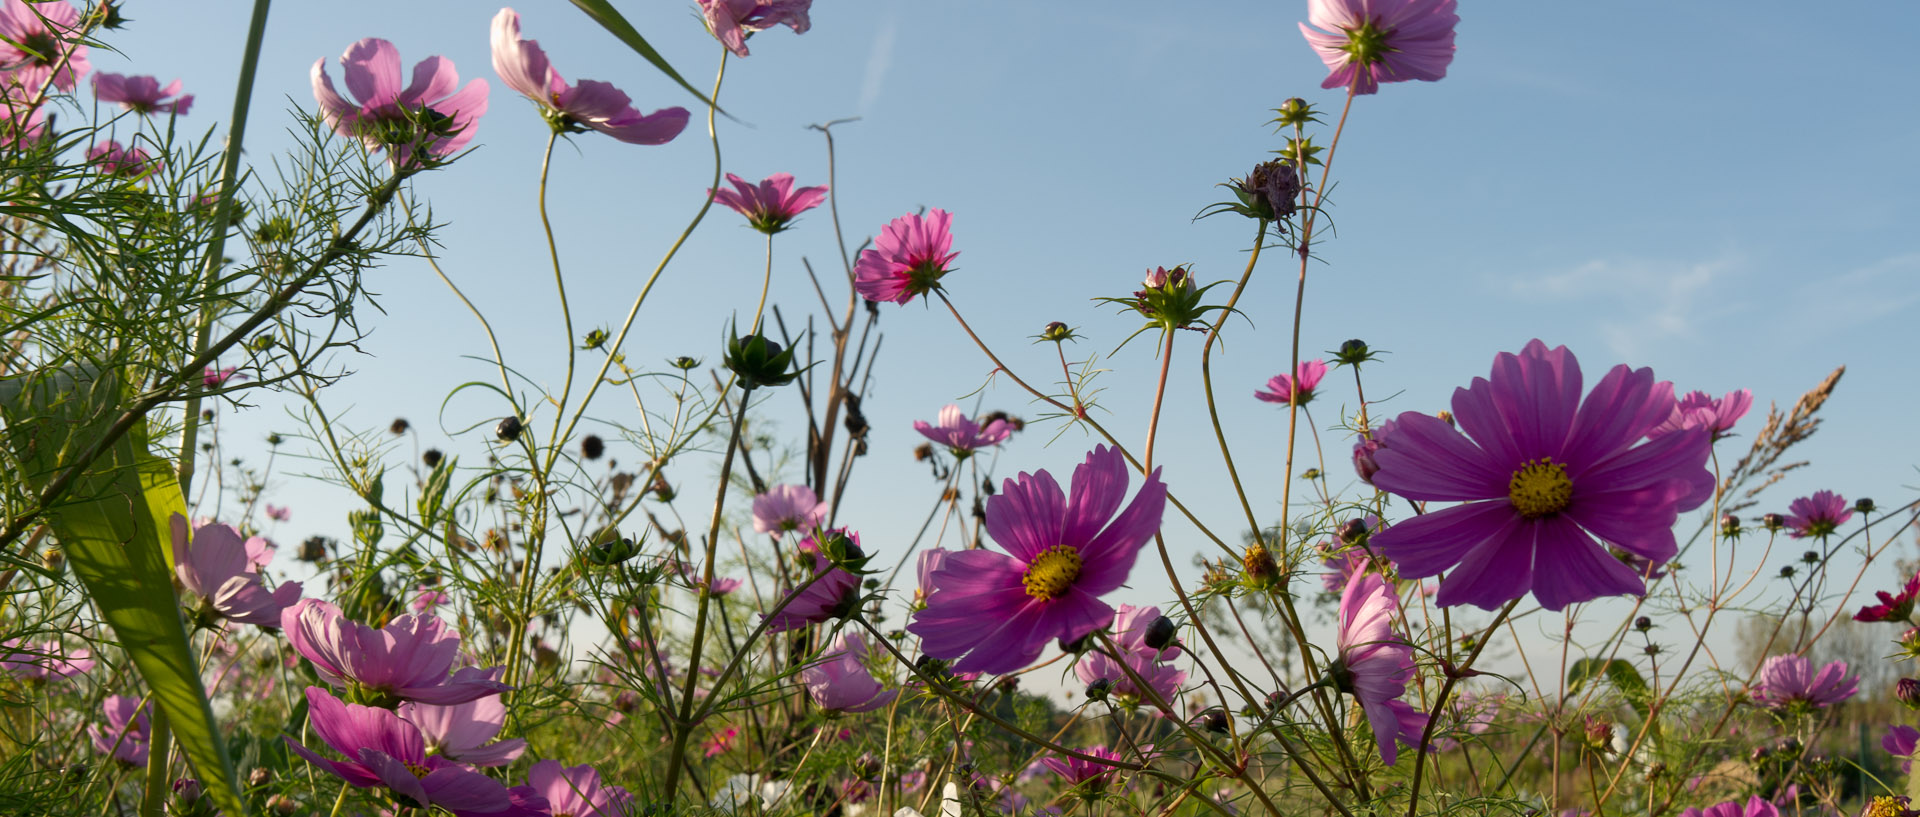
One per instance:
(1721,191)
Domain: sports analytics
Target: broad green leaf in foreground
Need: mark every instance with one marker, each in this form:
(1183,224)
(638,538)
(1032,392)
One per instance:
(609,18)
(112,524)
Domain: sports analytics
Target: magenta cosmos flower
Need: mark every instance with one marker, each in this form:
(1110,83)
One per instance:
(786,508)
(996,612)
(408,660)
(839,680)
(772,204)
(1129,634)
(384,750)
(1367,42)
(428,115)
(34,39)
(1754,807)
(592,104)
(125,737)
(577,791)
(141,95)
(733,21)
(961,435)
(1699,410)
(1375,664)
(1818,515)
(908,258)
(465,732)
(124,161)
(1892,607)
(1297,389)
(1900,741)
(1077,771)
(42,660)
(1789,682)
(1541,474)
(833,595)
(213,564)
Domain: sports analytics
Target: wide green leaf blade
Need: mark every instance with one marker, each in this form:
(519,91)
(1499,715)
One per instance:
(112,524)
(609,18)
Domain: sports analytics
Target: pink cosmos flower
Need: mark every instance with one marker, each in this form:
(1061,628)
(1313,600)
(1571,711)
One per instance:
(1818,515)
(43,660)
(427,599)
(1469,714)
(577,791)
(840,682)
(733,21)
(1129,634)
(126,737)
(1900,742)
(831,596)
(1298,389)
(1788,681)
(908,258)
(1364,450)
(1698,410)
(924,568)
(141,95)
(771,205)
(20,126)
(591,104)
(212,564)
(1367,42)
(723,586)
(36,37)
(1755,807)
(465,732)
(787,507)
(409,659)
(1076,771)
(721,742)
(960,434)
(214,378)
(1540,474)
(382,749)
(1892,607)
(996,612)
(124,161)
(1375,664)
(427,116)
(1342,566)
(279,513)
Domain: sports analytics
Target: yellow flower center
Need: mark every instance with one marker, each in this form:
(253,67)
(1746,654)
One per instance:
(1540,488)
(419,771)
(1052,572)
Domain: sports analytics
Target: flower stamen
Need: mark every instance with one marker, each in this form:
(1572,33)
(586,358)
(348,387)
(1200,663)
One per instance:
(1052,572)
(1540,488)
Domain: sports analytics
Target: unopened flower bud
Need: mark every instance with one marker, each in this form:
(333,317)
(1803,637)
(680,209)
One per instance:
(1354,531)
(683,363)
(1863,505)
(1077,646)
(1810,557)
(1156,278)
(592,447)
(1160,633)
(1294,113)
(759,362)
(53,560)
(1214,720)
(1908,691)
(1056,332)
(275,439)
(399,426)
(1773,522)
(508,429)
(260,776)
(1261,570)
(431,457)
(1311,473)
(1787,572)
(1730,525)
(1099,690)
(1643,624)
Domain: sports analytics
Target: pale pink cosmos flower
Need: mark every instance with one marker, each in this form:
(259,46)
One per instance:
(20,126)
(577,791)
(126,735)
(591,104)
(1375,665)
(382,749)
(214,378)
(786,508)
(427,116)
(733,21)
(1699,410)
(141,94)
(771,205)
(1367,42)
(1789,682)
(1129,634)
(1818,515)
(212,564)
(832,595)
(839,680)
(407,660)
(1754,807)
(465,732)
(721,742)
(127,161)
(428,599)
(1296,389)
(723,586)
(961,435)
(43,660)
(278,513)
(36,37)
(908,258)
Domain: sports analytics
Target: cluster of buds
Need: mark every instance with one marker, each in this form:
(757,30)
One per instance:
(1169,300)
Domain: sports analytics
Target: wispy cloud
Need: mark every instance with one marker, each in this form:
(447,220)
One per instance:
(879,63)
(1638,304)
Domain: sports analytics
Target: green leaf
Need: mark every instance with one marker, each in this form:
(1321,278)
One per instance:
(604,13)
(112,524)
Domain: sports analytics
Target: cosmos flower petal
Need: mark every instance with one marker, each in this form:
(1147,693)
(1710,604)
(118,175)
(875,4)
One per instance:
(1622,408)
(372,69)
(1494,572)
(1426,460)
(1569,567)
(1026,516)
(1099,485)
(1424,545)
